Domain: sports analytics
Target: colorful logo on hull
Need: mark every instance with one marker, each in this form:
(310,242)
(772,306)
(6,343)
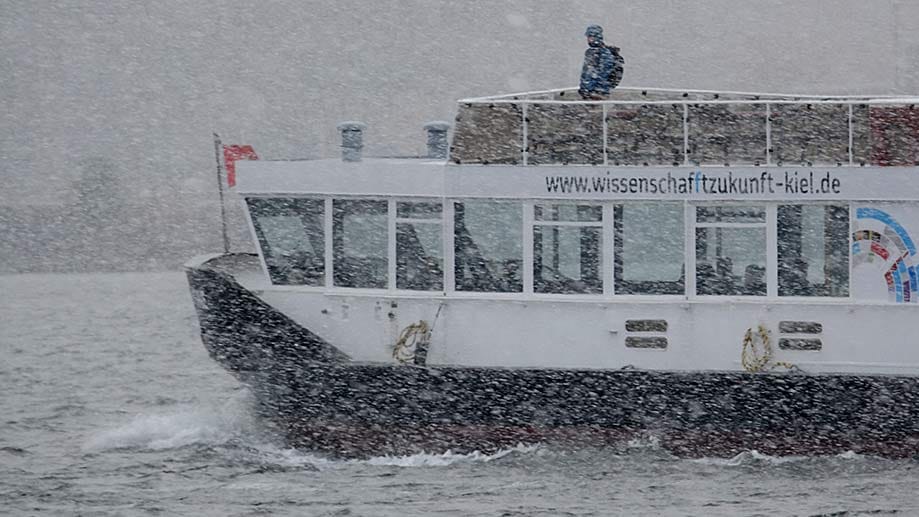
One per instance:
(889,243)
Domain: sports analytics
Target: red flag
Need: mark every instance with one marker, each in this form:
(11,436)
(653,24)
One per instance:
(231,153)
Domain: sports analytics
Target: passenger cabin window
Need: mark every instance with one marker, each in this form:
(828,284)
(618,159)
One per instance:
(567,249)
(290,234)
(731,250)
(488,240)
(359,242)
(419,246)
(648,248)
(813,244)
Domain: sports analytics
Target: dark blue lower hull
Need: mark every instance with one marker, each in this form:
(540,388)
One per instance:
(323,401)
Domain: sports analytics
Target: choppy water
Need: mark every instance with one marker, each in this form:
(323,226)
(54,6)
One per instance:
(110,406)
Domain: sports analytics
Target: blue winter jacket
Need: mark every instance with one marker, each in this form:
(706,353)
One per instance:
(598,65)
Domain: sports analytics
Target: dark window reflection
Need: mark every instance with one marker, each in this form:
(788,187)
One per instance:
(290,234)
(419,247)
(567,258)
(730,214)
(488,241)
(360,232)
(648,248)
(813,243)
(568,213)
(418,210)
(731,251)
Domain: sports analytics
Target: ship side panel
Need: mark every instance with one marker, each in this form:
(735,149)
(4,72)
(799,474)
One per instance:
(676,335)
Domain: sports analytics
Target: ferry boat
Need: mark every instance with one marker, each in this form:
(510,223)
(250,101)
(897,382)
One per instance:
(716,271)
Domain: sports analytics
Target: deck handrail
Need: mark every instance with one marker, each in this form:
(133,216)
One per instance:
(518,97)
(767,103)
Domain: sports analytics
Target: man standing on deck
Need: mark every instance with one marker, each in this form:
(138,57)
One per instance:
(598,65)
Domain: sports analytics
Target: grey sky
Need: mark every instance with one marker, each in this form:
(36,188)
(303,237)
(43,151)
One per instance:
(144,84)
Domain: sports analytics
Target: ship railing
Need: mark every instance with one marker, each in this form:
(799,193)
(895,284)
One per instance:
(643,127)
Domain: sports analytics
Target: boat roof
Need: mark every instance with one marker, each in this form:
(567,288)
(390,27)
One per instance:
(870,142)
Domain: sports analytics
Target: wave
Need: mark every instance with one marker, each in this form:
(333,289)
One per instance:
(234,428)
(749,458)
(236,431)
(753,457)
(850,455)
(645,441)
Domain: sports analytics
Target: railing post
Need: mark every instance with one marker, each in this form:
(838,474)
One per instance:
(851,139)
(525,130)
(605,139)
(685,134)
(768,134)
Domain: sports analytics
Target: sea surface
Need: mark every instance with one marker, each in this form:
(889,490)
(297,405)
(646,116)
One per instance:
(109,405)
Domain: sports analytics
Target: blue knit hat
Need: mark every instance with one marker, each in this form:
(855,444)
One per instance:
(594,31)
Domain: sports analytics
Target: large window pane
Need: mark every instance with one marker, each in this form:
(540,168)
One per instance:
(648,248)
(359,241)
(731,250)
(731,261)
(419,255)
(813,242)
(290,234)
(567,258)
(488,237)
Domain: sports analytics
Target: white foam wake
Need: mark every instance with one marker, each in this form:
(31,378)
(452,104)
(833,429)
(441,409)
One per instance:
(750,457)
(753,457)
(850,455)
(181,427)
(293,458)
(444,459)
(645,441)
(234,422)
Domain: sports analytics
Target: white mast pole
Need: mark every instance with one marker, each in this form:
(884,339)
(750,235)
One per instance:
(223,208)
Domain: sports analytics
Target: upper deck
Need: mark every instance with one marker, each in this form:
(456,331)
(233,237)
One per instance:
(648,127)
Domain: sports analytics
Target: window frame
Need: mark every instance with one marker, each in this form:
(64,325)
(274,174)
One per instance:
(614,249)
(768,224)
(258,239)
(525,205)
(330,246)
(530,225)
(393,226)
(850,206)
